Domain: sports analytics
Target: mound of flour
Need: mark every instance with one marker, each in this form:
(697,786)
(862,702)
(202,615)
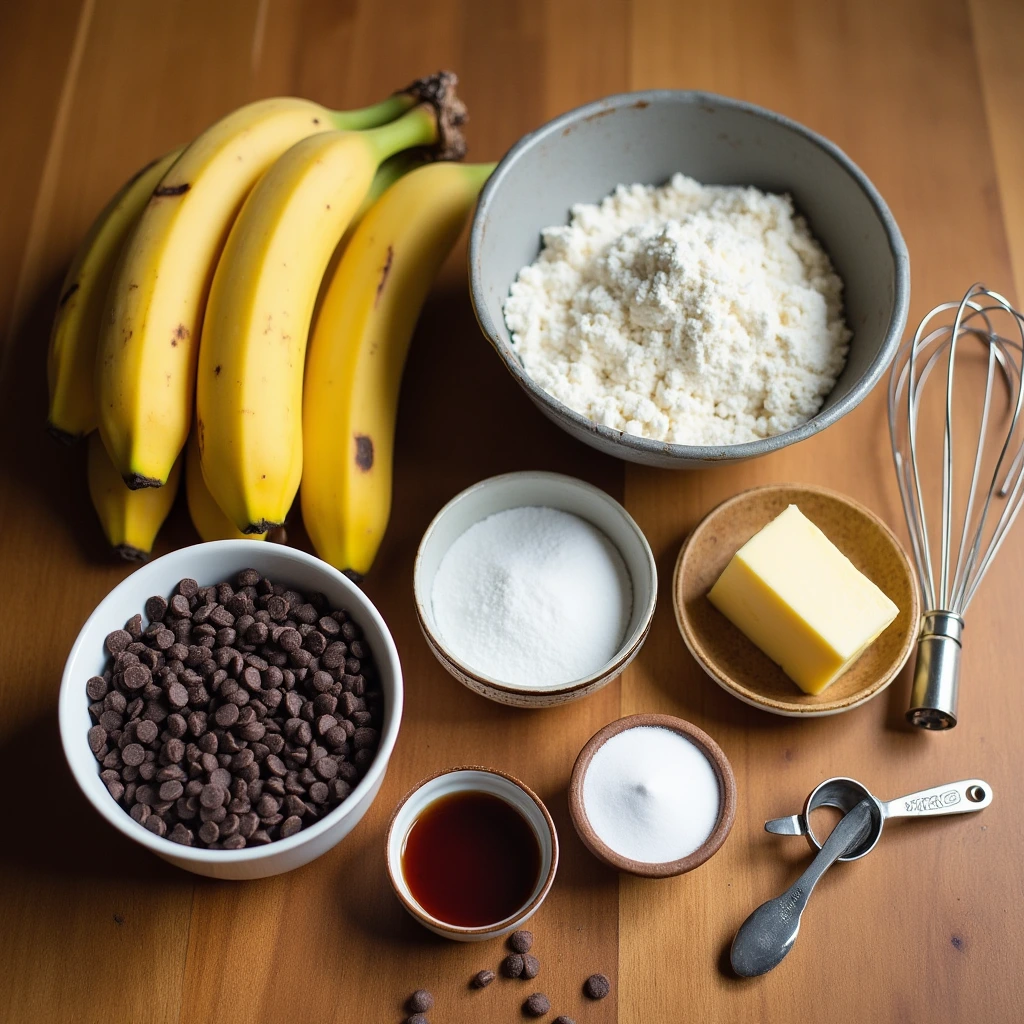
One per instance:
(685,313)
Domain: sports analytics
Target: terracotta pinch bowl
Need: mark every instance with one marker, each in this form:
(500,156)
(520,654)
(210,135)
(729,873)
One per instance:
(653,869)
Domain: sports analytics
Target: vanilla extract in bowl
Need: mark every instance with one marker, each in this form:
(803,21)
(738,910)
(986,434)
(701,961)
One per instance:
(471,859)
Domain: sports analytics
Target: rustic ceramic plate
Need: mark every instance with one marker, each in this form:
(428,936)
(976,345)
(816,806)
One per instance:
(732,660)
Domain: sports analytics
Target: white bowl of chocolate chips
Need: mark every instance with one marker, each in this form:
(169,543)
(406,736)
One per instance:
(232,707)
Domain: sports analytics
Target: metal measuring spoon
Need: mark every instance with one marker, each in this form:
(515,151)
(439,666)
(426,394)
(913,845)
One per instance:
(961,797)
(768,934)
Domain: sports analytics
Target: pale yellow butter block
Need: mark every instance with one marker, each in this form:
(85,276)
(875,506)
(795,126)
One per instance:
(802,601)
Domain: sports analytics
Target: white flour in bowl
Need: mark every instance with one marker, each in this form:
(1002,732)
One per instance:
(688,313)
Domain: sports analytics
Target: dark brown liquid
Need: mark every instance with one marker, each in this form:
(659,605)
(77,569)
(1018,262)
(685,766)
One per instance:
(471,859)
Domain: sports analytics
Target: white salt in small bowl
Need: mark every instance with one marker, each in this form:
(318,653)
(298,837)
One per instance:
(549,490)
(654,869)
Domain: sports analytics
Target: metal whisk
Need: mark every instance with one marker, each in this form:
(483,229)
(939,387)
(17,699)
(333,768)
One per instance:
(949,575)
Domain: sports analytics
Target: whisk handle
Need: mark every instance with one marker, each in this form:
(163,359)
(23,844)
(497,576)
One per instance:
(937,674)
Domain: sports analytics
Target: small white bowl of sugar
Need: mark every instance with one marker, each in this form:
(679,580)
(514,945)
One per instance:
(534,589)
(652,795)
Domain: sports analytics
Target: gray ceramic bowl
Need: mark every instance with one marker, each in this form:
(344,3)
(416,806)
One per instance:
(646,137)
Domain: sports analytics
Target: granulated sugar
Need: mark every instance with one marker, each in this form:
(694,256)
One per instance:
(535,597)
(651,795)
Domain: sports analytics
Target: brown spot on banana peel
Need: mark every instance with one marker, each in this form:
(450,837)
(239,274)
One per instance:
(67,295)
(364,452)
(162,191)
(181,333)
(385,272)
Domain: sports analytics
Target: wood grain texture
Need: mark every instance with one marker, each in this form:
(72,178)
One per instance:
(100,931)
(998,28)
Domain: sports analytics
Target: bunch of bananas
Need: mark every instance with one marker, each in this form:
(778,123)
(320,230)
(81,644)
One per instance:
(205,276)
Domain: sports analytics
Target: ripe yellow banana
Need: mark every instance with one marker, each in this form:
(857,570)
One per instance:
(357,353)
(76,328)
(145,367)
(249,384)
(207,518)
(387,174)
(130,519)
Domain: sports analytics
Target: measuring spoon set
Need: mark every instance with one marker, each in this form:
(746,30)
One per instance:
(768,934)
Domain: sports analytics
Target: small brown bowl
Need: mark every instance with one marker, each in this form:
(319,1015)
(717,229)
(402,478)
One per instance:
(732,660)
(646,869)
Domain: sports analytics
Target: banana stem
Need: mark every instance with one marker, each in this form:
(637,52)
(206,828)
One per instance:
(373,116)
(418,127)
(478,173)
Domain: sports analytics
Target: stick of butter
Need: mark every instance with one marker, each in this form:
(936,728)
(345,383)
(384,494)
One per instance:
(802,601)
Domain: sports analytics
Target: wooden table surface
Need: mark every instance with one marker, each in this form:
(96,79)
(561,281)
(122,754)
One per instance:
(926,97)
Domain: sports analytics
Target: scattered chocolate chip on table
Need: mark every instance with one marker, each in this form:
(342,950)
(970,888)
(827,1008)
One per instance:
(420,1001)
(520,941)
(536,1005)
(597,986)
(482,979)
(512,966)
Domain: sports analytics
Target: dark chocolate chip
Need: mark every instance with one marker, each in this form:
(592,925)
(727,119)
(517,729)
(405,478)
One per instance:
(97,688)
(519,941)
(512,966)
(420,1001)
(536,1005)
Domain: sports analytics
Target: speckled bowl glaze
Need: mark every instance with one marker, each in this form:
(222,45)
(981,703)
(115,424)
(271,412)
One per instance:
(646,869)
(581,156)
(553,490)
(733,661)
(476,780)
